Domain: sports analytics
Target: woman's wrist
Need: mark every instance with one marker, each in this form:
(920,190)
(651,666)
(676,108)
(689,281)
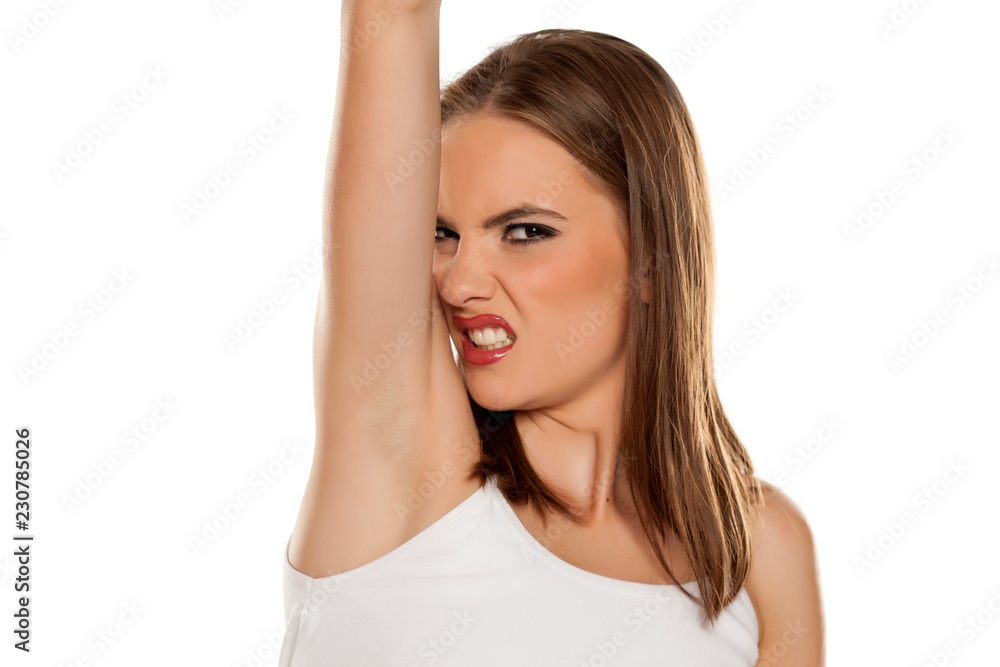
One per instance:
(392,6)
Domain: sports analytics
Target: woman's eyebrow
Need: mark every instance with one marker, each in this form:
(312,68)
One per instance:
(522,211)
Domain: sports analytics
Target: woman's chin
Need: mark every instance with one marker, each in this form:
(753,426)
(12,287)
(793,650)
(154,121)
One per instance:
(487,399)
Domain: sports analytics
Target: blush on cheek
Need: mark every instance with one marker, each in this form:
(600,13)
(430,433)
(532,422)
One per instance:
(598,315)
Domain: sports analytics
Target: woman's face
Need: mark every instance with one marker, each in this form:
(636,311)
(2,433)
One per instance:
(564,292)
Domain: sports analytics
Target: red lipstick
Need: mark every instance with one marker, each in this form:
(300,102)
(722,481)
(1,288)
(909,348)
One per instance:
(473,354)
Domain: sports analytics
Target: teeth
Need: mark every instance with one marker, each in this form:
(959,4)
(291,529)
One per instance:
(490,338)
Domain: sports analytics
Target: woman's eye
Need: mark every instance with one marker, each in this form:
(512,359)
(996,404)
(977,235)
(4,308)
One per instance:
(515,233)
(441,229)
(534,233)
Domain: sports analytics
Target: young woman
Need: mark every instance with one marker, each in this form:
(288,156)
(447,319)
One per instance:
(568,490)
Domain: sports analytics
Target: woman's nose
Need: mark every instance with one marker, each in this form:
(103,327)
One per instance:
(465,275)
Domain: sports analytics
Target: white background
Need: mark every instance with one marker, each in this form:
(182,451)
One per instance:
(855,300)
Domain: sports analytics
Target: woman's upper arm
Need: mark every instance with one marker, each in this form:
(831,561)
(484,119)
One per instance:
(372,339)
(783,584)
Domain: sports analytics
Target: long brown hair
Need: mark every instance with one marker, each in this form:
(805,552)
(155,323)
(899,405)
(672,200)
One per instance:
(618,112)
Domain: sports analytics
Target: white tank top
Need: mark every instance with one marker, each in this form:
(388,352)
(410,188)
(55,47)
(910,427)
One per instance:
(476,589)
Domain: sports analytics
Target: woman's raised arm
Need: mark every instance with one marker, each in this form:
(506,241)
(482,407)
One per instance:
(372,338)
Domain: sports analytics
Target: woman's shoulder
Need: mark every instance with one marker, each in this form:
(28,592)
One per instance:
(783,582)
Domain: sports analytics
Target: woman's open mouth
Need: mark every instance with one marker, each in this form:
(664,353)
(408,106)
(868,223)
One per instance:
(508,340)
(490,353)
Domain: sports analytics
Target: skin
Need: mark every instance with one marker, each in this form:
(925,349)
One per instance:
(544,290)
